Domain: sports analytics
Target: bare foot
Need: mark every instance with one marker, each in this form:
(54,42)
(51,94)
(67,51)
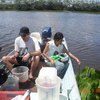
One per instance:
(30,76)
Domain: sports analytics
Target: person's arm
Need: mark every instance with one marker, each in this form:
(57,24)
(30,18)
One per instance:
(37,51)
(16,54)
(16,49)
(46,49)
(72,56)
(30,54)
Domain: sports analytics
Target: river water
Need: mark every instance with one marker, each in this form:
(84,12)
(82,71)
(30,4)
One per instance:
(81,30)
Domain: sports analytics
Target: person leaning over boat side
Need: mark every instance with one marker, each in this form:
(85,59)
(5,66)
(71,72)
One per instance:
(27,50)
(56,46)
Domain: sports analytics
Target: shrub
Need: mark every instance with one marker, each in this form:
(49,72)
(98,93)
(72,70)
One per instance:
(89,84)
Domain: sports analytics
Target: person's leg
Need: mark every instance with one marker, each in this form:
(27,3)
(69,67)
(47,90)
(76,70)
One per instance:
(61,68)
(34,63)
(62,73)
(31,68)
(9,61)
(37,60)
(49,64)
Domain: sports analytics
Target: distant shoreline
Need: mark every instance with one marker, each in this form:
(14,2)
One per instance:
(90,12)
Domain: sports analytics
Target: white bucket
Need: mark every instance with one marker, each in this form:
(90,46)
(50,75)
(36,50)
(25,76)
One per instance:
(48,84)
(48,72)
(21,72)
(48,90)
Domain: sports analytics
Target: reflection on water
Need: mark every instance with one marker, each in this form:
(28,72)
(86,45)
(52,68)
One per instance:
(81,31)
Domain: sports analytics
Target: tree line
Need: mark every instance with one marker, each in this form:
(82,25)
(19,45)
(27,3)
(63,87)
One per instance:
(27,5)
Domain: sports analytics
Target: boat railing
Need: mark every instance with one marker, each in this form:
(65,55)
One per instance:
(69,84)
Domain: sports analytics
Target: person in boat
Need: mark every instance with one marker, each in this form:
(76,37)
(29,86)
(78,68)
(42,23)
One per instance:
(27,52)
(52,53)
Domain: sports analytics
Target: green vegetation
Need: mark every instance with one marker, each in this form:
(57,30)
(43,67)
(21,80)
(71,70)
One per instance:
(26,5)
(7,7)
(89,84)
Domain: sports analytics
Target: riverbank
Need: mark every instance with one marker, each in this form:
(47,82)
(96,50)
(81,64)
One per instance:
(51,5)
(88,12)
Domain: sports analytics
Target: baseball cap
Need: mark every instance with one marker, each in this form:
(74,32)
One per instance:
(23,31)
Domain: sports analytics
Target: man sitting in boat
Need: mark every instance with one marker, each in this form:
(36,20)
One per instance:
(27,52)
(55,47)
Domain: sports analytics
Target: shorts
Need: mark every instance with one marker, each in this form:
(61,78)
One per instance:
(21,63)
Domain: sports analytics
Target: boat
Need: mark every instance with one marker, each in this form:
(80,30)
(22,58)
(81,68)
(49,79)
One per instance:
(69,88)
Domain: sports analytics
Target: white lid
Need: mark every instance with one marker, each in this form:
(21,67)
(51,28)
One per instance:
(48,73)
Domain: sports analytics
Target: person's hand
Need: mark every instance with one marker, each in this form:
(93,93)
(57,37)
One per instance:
(12,57)
(78,61)
(52,61)
(26,57)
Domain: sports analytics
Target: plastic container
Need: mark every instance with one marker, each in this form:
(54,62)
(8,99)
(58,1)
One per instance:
(48,73)
(21,72)
(48,84)
(11,84)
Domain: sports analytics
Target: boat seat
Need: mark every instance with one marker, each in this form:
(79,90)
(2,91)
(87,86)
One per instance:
(37,36)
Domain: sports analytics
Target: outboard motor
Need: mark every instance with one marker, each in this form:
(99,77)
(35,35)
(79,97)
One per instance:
(46,36)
